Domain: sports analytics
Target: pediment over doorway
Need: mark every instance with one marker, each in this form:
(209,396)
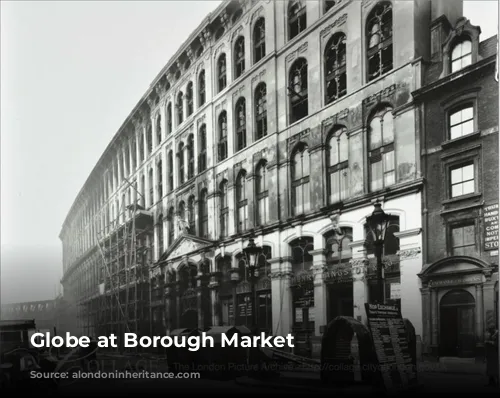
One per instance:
(457,265)
(185,245)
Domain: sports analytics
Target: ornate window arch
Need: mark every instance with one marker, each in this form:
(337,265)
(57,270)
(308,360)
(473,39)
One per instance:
(151,187)
(224,209)
(180,108)
(337,157)
(170,171)
(259,40)
(191,215)
(241,124)
(180,157)
(159,178)
(169,118)
(297,18)
(300,180)
(171,220)
(190,149)
(222,126)
(335,68)
(381,148)
(379,40)
(242,201)
(262,193)
(298,90)
(202,90)
(239,57)
(202,148)
(189,99)
(261,110)
(461,47)
(158,130)
(149,138)
(221,72)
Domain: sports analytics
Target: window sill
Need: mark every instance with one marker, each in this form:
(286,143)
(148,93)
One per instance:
(458,199)
(459,140)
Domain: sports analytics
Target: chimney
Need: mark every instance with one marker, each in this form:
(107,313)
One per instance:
(444,15)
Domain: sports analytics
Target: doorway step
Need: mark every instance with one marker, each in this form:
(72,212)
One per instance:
(462,365)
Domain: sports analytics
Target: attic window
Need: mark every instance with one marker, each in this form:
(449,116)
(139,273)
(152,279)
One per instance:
(237,15)
(219,33)
(461,55)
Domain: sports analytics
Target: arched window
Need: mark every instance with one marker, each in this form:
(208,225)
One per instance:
(297,18)
(261,110)
(335,68)
(191,215)
(224,209)
(461,55)
(262,194)
(151,187)
(329,4)
(221,73)
(171,220)
(170,171)
(203,214)
(259,40)
(241,201)
(133,157)
(180,108)
(381,149)
(149,138)
(189,99)
(141,147)
(143,191)
(182,211)
(159,173)
(338,249)
(297,90)
(241,124)
(222,147)
(202,149)
(239,57)
(379,40)
(169,118)
(158,130)
(300,180)
(201,88)
(180,155)
(190,149)
(461,121)
(337,163)
(160,235)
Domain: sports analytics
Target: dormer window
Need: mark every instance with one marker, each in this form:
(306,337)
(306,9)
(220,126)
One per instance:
(461,55)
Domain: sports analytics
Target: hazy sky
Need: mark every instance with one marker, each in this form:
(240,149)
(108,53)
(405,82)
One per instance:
(71,72)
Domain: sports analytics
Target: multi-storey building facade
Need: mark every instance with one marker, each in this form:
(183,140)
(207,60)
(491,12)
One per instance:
(459,115)
(282,121)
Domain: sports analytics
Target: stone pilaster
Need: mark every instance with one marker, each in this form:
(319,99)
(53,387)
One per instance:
(479,315)
(434,319)
(250,192)
(232,209)
(320,291)
(213,215)
(316,178)
(272,175)
(281,274)
(214,297)
(283,193)
(410,265)
(359,285)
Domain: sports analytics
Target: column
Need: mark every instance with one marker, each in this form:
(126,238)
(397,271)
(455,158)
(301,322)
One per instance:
(138,135)
(360,296)
(164,178)
(434,318)
(320,291)
(281,272)
(145,141)
(479,315)
(185,152)
(213,214)
(125,169)
(196,216)
(410,265)
(316,176)
(131,154)
(232,209)
(214,297)
(278,184)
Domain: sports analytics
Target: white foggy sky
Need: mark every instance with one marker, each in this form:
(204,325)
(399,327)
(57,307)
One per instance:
(71,72)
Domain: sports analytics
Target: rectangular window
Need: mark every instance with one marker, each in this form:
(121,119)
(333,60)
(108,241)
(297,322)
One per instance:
(302,198)
(339,182)
(462,122)
(242,217)
(462,180)
(263,213)
(463,241)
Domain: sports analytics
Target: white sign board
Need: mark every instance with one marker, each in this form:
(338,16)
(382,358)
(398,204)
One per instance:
(395,291)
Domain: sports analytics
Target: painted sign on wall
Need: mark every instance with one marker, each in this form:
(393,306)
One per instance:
(490,218)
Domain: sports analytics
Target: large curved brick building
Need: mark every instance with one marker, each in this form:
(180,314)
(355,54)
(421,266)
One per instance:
(278,121)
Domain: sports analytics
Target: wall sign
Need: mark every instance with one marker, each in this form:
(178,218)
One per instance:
(456,280)
(490,218)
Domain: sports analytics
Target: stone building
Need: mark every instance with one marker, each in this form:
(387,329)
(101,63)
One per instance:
(279,121)
(458,104)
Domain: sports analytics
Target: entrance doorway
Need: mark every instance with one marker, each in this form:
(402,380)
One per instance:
(340,299)
(457,318)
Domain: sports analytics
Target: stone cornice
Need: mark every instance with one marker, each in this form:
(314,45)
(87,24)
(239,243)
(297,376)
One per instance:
(408,233)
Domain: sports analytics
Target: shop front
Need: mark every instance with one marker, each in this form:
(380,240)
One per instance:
(458,297)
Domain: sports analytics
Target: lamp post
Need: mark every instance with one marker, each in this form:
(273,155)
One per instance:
(252,253)
(378,222)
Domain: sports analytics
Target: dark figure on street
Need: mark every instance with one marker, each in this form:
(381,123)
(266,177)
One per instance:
(491,345)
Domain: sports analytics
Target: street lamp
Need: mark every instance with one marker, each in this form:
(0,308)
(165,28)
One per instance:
(377,224)
(252,253)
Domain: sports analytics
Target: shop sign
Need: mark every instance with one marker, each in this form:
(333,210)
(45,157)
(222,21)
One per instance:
(490,220)
(456,280)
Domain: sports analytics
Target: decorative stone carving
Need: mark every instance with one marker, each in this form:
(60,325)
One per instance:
(339,21)
(409,253)
(224,18)
(299,50)
(179,65)
(190,54)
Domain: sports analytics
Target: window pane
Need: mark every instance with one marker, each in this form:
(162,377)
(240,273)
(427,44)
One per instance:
(376,176)
(388,128)
(456,190)
(297,162)
(334,187)
(457,237)
(455,118)
(468,172)
(466,47)
(456,132)
(456,176)
(389,178)
(467,113)
(469,235)
(344,184)
(298,199)
(375,133)
(388,161)
(334,155)
(466,61)
(456,65)
(305,192)
(305,163)
(343,148)
(468,187)
(468,127)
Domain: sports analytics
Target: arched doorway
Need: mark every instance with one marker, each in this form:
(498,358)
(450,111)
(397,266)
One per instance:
(457,319)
